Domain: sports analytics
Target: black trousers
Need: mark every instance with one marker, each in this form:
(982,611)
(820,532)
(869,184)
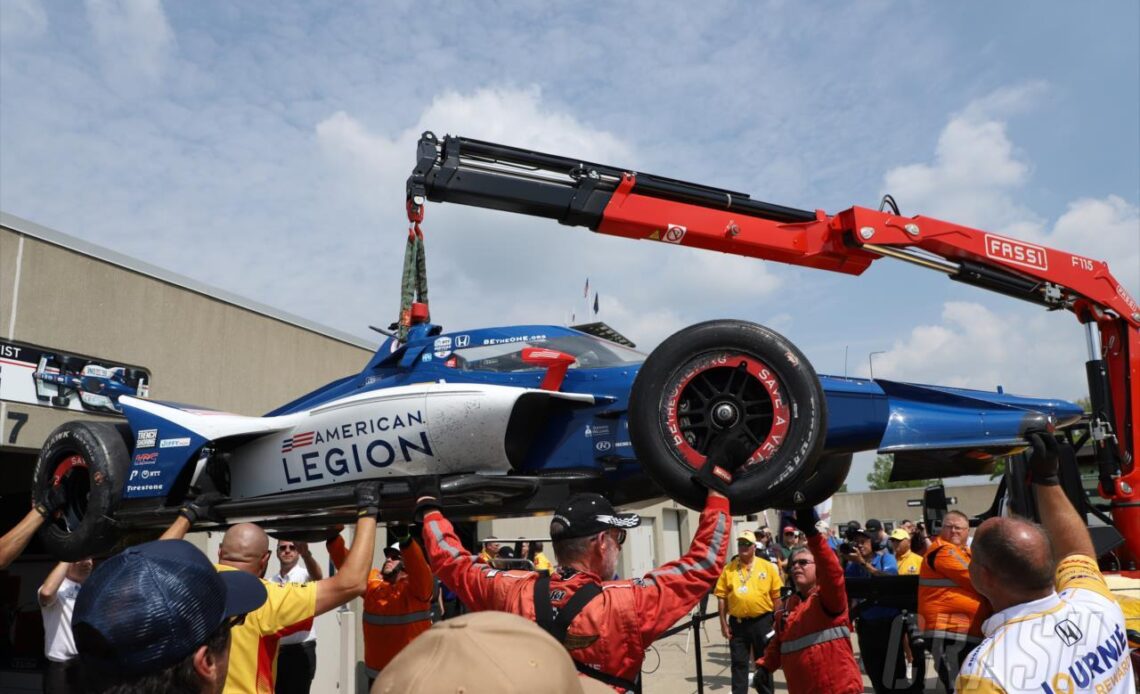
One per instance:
(749,637)
(884,660)
(949,653)
(62,678)
(296,666)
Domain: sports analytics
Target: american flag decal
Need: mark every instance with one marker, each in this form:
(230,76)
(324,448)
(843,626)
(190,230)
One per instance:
(297,441)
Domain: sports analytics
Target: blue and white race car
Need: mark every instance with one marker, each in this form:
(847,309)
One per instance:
(512,420)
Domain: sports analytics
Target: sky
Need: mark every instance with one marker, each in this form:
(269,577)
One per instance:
(262,148)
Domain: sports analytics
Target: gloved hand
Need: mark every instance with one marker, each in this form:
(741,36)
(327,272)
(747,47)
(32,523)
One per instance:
(427,494)
(726,454)
(1044,463)
(201,506)
(805,521)
(51,500)
(367,499)
(402,533)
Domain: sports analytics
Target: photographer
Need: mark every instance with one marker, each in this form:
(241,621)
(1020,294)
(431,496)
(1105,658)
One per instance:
(882,659)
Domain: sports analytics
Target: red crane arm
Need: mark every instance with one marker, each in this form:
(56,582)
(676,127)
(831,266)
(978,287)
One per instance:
(619,202)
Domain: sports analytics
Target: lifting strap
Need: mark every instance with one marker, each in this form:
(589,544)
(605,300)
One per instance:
(558,625)
(413,285)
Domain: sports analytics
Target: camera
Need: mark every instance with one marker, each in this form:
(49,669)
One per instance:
(846,548)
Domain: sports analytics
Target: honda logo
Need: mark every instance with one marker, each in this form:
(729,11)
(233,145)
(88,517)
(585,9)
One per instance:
(1068,632)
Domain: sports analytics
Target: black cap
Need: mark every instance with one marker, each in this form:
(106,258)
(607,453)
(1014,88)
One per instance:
(583,515)
(150,606)
(873,525)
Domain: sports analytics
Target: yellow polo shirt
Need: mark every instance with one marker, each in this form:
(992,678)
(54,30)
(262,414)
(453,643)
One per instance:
(752,591)
(253,649)
(910,564)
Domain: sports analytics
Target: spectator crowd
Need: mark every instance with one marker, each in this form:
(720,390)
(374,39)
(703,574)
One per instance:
(1014,607)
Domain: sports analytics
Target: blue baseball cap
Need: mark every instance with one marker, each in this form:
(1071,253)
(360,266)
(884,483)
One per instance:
(151,605)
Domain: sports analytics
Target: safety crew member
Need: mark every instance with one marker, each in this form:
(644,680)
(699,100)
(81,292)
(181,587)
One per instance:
(747,593)
(290,607)
(950,610)
(813,635)
(397,601)
(1078,635)
(605,625)
(908,562)
(490,551)
(13,543)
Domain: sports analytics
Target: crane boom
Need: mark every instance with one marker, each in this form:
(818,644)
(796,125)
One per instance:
(621,202)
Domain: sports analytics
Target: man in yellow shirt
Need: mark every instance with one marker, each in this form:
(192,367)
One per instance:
(747,592)
(909,562)
(290,607)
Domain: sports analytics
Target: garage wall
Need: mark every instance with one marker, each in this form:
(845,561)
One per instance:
(200,348)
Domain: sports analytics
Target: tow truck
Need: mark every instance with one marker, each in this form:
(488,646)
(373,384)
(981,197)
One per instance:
(623,202)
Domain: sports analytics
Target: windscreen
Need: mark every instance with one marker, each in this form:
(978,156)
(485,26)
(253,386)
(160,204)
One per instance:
(589,353)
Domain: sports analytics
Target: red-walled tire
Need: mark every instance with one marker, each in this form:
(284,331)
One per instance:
(90,460)
(728,377)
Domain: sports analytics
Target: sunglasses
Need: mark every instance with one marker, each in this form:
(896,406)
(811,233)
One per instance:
(801,562)
(620,539)
(743,543)
(286,548)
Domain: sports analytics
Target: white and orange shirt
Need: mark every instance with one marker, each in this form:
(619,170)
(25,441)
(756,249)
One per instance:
(1071,641)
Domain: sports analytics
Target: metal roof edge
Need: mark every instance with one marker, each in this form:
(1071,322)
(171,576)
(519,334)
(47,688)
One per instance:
(71,243)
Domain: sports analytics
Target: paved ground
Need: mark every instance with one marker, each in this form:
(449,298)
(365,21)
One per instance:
(671,669)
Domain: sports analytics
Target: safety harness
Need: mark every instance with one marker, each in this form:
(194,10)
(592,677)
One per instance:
(413,285)
(557,624)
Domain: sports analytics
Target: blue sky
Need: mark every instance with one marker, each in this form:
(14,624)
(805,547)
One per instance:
(262,148)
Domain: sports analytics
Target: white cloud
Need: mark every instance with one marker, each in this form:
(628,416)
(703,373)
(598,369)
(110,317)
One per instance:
(504,268)
(1026,352)
(976,169)
(134,39)
(22,20)
(974,178)
(1105,229)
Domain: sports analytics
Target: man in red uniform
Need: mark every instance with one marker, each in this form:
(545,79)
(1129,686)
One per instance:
(397,601)
(605,625)
(813,634)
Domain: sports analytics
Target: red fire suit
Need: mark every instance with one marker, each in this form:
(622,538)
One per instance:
(813,633)
(612,632)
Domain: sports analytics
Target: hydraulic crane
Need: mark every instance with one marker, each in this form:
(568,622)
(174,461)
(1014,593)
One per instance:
(622,202)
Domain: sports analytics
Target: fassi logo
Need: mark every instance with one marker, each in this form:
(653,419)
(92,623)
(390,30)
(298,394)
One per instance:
(1016,252)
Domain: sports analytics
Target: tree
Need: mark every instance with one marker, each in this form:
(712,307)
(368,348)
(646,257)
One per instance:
(880,475)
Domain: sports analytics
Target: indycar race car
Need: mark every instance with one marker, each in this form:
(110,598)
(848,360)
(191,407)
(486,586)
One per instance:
(59,378)
(512,420)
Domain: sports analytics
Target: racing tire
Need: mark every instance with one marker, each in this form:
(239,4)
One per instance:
(735,377)
(90,460)
(830,473)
